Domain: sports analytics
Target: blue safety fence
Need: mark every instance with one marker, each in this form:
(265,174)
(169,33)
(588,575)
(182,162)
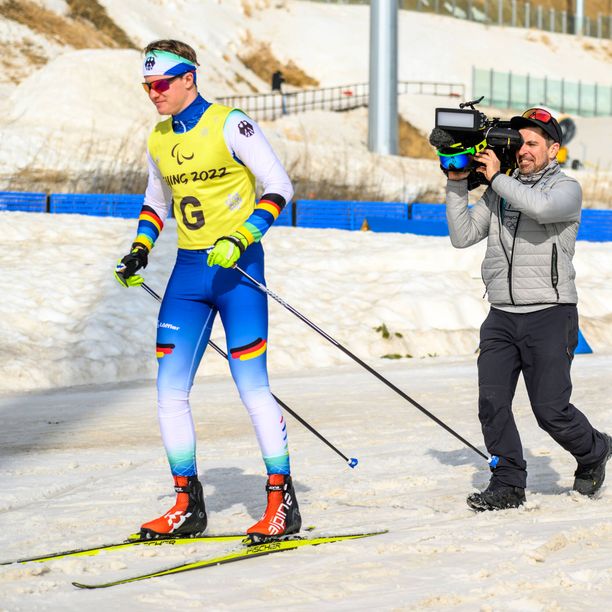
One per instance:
(97,205)
(430,220)
(595,225)
(23,201)
(348,215)
(286,218)
(416,218)
(423,220)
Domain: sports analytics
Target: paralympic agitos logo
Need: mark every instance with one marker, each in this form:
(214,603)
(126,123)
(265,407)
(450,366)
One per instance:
(180,157)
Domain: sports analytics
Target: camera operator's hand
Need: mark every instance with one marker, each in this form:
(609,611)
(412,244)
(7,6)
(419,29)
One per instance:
(453,175)
(490,163)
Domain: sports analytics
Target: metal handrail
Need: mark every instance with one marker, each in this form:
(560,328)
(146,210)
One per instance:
(270,106)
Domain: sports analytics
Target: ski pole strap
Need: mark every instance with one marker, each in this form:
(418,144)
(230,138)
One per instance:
(234,240)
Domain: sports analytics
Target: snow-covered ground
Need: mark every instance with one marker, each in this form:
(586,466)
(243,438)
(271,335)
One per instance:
(81,461)
(85,466)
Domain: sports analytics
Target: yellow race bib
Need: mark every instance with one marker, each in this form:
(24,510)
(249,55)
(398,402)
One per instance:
(212,193)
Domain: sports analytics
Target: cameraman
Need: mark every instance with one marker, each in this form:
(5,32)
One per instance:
(530,220)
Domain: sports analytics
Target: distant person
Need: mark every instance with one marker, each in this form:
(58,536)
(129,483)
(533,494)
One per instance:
(530,221)
(277,81)
(203,161)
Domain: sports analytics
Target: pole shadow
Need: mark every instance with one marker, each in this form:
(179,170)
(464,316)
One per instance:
(541,476)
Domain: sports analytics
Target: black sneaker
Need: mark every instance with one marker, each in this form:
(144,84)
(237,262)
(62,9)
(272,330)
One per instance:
(496,496)
(589,478)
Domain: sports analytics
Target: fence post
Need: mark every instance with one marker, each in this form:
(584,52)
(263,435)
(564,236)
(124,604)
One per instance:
(486,11)
(527,15)
(564,22)
(513,18)
(563,94)
(470,14)
(539,16)
(490,88)
(599,26)
(500,12)
(595,96)
(528,103)
(509,89)
(551,13)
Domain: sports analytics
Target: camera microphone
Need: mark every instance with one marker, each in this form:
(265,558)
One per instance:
(440,138)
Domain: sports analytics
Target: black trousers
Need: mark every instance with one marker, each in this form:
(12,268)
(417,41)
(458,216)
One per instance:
(541,345)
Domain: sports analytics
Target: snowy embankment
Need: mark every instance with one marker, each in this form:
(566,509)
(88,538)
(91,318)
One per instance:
(60,132)
(65,320)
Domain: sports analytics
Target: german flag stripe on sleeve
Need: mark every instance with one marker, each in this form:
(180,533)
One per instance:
(249,351)
(149,226)
(147,215)
(272,207)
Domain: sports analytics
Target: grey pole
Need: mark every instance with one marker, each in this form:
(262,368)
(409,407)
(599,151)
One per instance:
(579,17)
(552,19)
(564,22)
(382,111)
(527,15)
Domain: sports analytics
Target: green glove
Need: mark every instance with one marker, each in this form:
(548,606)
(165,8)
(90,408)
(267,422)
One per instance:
(227,251)
(126,268)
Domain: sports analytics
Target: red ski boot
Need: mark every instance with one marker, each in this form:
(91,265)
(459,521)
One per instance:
(282,516)
(186,518)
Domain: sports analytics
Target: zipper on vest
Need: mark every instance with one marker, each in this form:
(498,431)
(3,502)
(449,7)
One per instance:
(518,220)
(554,272)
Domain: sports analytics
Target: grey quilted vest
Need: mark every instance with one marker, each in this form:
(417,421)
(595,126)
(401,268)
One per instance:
(528,259)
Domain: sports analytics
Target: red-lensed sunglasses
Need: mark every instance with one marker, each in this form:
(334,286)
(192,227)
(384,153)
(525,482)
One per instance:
(539,114)
(161,85)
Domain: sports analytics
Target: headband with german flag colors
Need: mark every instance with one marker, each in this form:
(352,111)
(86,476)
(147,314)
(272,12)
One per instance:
(159,63)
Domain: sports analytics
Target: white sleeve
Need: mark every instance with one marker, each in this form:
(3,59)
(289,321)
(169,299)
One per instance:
(158,194)
(246,142)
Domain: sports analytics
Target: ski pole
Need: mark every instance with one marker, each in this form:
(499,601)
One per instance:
(354,357)
(352,462)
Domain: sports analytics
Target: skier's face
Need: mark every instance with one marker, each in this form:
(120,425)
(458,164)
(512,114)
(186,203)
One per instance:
(175,93)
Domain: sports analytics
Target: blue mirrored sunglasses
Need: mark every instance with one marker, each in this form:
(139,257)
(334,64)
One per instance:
(455,161)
